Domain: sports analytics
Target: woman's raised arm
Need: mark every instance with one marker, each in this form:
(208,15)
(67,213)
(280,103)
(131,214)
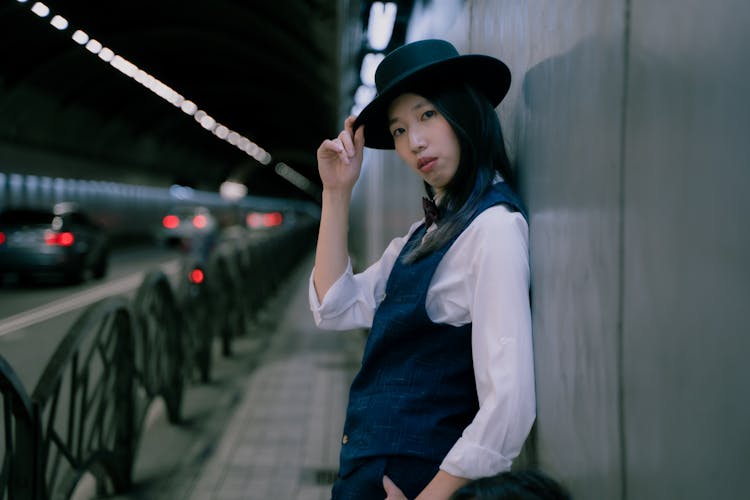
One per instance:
(339,165)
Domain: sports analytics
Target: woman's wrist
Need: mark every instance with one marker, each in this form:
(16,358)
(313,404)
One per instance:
(442,486)
(337,195)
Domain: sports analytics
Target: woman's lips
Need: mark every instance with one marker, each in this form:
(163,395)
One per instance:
(426,164)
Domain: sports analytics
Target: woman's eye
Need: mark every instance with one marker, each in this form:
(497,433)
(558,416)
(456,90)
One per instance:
(429,114)
(397,132)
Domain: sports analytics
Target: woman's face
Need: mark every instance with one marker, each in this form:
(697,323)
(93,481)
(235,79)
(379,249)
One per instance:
(424,139)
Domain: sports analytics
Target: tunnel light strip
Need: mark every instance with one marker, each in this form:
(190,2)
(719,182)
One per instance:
(297,179)
(159,88)
(380,25)
(379,32)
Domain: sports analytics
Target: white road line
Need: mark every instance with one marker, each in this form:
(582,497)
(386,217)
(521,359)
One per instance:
(78,300)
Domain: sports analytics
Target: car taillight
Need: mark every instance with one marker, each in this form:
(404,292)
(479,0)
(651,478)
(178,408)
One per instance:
(64,239)
(200,221)
(254,219)
(2,237)
(170,221)
(196,276)
(273,219)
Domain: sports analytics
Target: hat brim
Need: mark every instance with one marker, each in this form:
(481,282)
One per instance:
(488,75)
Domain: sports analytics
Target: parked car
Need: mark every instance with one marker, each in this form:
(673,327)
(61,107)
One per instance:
(62,241)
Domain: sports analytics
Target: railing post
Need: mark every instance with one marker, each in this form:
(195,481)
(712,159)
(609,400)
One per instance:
(20,475)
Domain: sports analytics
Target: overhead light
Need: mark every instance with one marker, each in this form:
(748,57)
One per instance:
(93,46)
(208,122)
(380,26)
(181,192)
(369,65)
(40,9)
(297,179)
(80,37)
(106,54)
(232,190)
(221,132)
(59,22)
(177,100)
(124,66)
(364,95)
(189,107)
(252,149)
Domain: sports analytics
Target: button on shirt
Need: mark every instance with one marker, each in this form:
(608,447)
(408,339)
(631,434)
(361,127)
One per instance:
(482,279)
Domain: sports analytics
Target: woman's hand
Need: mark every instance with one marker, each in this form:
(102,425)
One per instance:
(442,486)
(392,491)
(340,159)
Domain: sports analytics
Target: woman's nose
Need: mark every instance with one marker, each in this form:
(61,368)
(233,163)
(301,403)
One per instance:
(417,140)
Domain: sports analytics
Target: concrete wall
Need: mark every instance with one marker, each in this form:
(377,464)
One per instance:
(686,279)
(628,122)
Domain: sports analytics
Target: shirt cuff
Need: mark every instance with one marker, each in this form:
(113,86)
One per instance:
(472,461)
(335,296)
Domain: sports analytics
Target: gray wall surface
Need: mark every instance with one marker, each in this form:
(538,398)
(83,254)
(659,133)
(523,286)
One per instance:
(628,122)
(686,280)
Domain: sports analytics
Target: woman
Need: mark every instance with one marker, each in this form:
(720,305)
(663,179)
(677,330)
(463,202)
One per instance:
(445,393)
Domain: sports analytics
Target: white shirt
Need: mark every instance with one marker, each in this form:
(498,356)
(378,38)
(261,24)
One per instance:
(483,279)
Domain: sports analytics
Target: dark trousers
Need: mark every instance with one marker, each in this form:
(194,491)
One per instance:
(365,482)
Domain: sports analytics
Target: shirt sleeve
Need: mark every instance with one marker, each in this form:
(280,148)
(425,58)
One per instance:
(498,289)
(351,301)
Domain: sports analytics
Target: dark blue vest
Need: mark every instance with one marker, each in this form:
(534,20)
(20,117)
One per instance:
(415,391)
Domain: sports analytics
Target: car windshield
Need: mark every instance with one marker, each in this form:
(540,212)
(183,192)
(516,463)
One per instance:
(25,217)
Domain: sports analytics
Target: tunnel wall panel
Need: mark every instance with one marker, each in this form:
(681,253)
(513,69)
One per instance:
(562,122)
(686,276)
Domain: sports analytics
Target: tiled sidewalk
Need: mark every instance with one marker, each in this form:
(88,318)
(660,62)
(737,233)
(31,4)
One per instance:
(282,438)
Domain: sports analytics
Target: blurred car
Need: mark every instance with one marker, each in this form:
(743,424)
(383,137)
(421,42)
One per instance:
(264,220)
(62,241)
(187,226)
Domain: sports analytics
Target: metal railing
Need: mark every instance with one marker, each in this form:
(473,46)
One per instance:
(87,411)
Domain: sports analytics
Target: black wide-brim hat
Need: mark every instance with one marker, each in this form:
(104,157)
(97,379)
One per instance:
(431,63)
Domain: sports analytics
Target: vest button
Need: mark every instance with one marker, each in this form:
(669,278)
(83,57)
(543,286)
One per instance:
(345,439)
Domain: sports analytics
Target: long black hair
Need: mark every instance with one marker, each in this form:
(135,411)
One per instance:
(477,127)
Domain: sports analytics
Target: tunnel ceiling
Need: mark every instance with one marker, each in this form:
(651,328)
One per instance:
(269,70)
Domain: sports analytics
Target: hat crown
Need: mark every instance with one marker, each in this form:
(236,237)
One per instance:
(426,66)
(410,58)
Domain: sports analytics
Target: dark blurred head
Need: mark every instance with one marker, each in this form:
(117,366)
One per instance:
(513,485)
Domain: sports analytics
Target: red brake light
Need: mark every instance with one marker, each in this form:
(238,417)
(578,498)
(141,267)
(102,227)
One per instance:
(2,237)
(254,219)
(200,221)
(196,276)
(170,221)
(273,219)
(65,239)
